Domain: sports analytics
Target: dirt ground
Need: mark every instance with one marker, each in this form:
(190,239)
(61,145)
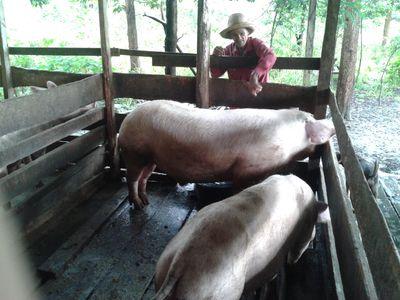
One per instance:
(375,131)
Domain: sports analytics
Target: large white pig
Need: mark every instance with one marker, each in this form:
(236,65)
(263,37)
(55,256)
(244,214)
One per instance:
(240,242)
(201,145)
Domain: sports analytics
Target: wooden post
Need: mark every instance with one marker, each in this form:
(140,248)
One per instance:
(107,89)
(171,32)
(5,61)
(310,37)
(203,55)
(328,54)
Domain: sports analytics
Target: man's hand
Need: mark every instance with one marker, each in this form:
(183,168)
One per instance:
(253,85)
(218,51)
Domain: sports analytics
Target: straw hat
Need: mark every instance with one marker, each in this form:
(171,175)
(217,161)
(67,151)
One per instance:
(236,21)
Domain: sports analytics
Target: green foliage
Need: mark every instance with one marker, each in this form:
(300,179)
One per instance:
(39,3)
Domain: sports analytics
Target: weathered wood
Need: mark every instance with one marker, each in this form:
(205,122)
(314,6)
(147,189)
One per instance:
(107,89)
(48,105)
(47,201)
(330,245)
(203,55)
(38,139)
(5,60)
(312,8)
(226,62)
(327,54)
(130,243)
(59,260)
(383,257)
(356,274)
(222,91)
(29,175)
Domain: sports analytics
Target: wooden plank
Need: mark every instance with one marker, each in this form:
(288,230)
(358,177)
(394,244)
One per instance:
(391,215)
(312,9)
(226,62)
(5,60)
(121,259)
(327,54)
(203,55)
(113,157)
(48,105)
(20,180)
(222,91)
(382,254)
(28,77)
(50,199)
(40,139)
(356,274)
(58,261)
(333,263)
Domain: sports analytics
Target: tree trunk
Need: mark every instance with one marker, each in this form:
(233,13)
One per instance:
(171,32)
(132,32)
(348,58)
(300,33)
(386,27)
(310,38)
(274,25)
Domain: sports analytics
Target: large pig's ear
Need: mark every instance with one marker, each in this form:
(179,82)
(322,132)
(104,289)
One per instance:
(319,131)
(51,84)
(323,212)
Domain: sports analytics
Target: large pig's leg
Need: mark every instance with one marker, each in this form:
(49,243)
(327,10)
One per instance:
(134,169)
(143,182)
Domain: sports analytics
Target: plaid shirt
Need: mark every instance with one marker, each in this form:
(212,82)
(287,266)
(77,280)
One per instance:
(253,47)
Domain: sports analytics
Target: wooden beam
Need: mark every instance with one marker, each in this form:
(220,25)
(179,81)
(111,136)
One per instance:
(327,54)
(189,60)
(107,88)
(44,205)
(48,105)
(28,77)
(203,55)
(356,274)
(29,175)
(383,257)
(171,31)
(36,140)
(5,60)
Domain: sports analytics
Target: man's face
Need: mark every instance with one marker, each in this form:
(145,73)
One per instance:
(240,36)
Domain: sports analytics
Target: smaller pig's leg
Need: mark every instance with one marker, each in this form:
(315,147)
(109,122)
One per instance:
(143,182)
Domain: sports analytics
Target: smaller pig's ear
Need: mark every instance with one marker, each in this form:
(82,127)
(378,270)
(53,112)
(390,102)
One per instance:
(323,212)
(36,89)
(51,84)
(319,131)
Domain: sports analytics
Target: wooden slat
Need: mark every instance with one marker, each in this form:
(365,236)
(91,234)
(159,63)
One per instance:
(383,257)
(44,204)
(48,105)
(222,91)
(203,55)
(5,60)
(226,62)
(38,139)
(18,181)
(113,157)
(327,54)
(333,263)
(356,274)
(28,77)
(59,260)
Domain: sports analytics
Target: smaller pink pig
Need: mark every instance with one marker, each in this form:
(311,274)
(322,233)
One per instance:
(202,145)
(240,242)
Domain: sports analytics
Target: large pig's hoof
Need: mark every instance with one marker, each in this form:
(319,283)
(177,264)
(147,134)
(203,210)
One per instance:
(143,197)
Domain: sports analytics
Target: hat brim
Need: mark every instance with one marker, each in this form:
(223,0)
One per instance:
(226,32)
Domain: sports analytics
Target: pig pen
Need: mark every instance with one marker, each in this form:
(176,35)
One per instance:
(86,242)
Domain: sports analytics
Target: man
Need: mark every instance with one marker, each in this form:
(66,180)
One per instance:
(239,30)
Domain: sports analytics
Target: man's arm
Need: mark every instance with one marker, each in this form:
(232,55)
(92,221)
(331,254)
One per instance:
(217,72)
(266,56)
